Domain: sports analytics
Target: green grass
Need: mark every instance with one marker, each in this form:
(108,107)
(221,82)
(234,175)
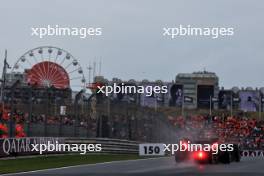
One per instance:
(46,162)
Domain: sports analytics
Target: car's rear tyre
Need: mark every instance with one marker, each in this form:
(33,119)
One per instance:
(226,157)
(237,156)
(214,159)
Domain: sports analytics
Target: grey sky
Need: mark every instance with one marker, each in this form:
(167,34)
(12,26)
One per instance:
(132,45)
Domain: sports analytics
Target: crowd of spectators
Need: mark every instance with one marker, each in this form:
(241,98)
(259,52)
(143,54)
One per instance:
(249,132)
(119,126)
(239,129)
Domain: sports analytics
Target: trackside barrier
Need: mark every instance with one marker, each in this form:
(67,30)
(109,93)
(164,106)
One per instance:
(12,147)
(109,145)
(252,153)
(23,146)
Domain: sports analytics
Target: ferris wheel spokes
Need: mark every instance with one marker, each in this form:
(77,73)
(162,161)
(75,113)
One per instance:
(50,66)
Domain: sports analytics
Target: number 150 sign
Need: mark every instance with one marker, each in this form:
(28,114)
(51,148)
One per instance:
(151,149)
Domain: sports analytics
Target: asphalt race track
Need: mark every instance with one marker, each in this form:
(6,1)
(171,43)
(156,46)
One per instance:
(158,166)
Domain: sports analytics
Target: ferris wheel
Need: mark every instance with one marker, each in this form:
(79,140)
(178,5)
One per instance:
(48,66)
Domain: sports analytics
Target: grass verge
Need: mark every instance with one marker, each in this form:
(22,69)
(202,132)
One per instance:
(47,162)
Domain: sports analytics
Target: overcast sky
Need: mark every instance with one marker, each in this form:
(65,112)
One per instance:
(132,45)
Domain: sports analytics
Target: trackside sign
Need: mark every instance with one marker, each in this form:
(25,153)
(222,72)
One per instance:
(23,146)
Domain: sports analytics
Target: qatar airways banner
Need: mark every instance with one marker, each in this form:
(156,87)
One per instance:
(24,146)
(252,153)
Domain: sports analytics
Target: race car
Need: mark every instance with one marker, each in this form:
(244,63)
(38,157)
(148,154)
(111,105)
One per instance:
(209,156)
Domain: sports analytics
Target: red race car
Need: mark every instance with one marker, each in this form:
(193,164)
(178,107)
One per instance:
(208,151)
